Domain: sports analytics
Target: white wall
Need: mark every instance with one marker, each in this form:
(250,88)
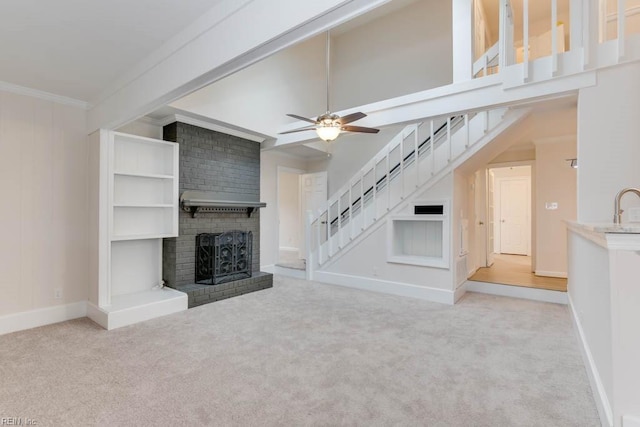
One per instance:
(608,148)
(349,154)
(403,52)
(289,210)
(44,211)
(515,155)
(269,162)
(142,127)
(555,182)
(258,97)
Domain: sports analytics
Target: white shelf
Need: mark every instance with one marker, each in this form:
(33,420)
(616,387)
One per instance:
(120,238)
(142,205)
(143,156)
(420,239)
(143,175)
(143,187)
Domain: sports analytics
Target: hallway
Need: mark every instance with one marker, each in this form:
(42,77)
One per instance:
(516,270)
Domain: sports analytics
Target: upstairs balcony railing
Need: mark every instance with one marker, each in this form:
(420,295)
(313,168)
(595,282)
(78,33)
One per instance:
(595,33)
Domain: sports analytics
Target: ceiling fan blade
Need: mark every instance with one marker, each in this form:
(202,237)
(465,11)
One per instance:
(351,118)
(298,130)
(360,129)
(295,116)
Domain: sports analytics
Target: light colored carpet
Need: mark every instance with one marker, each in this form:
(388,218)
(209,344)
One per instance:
(307,354)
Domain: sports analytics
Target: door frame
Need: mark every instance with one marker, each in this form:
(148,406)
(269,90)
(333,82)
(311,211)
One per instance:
(280,170)
(498,212)
(533,221)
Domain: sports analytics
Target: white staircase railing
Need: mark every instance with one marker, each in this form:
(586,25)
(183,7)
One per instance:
(488,62)
(392,175)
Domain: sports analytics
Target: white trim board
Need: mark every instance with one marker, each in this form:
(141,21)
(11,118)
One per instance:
(542,295)
(128,309)
(47,96)
(41,317)
(284,271)
(560,274)
(442,296)
(208,124)
(599,394)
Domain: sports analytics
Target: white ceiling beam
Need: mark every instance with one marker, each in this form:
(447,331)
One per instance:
(232,36)
(457,98)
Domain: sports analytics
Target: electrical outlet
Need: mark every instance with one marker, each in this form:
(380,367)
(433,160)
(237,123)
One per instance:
(57,293)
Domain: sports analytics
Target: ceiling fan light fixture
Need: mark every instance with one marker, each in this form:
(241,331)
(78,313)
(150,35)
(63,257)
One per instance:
(328,132)
(329,126)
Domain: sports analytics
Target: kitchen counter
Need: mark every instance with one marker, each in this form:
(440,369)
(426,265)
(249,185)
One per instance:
(609,235)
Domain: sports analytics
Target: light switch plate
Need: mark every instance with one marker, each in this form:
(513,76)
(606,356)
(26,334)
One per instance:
(634,214)
(551,206)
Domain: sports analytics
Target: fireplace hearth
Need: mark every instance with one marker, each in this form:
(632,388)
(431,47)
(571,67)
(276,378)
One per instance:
(223,257)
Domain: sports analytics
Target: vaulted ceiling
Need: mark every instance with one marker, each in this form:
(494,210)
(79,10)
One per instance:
(76,48)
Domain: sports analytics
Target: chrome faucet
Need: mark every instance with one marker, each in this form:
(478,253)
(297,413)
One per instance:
(617,216)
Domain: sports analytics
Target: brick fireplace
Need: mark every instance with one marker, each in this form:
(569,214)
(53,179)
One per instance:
(226,165)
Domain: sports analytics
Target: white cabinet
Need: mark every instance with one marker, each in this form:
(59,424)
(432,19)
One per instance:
(136,186)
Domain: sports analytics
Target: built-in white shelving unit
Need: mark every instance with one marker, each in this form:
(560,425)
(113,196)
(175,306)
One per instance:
(143,187)
(138,185)
(422,238)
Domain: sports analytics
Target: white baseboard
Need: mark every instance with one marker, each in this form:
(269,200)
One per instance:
(386,287)
(599,394)
(98,316)
(560,274)
(460,291)
(284,271)
(134,308)
(542,295)
(41,317)
(267,268)
(629,421)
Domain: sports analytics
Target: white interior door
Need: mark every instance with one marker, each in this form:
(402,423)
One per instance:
(289,217)
(313,187)
(514,216)
(490,218)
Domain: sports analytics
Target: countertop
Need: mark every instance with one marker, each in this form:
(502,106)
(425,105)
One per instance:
(624,236)
(626,228)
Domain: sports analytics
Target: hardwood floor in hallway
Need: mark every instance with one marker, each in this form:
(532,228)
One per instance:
(516,270)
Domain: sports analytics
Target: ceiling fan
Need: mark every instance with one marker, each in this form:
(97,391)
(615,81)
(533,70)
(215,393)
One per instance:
(328,125)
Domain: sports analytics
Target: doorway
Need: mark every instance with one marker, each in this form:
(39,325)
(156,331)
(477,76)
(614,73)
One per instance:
(289,218)
(298,194)
(512,210)
(506,203)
